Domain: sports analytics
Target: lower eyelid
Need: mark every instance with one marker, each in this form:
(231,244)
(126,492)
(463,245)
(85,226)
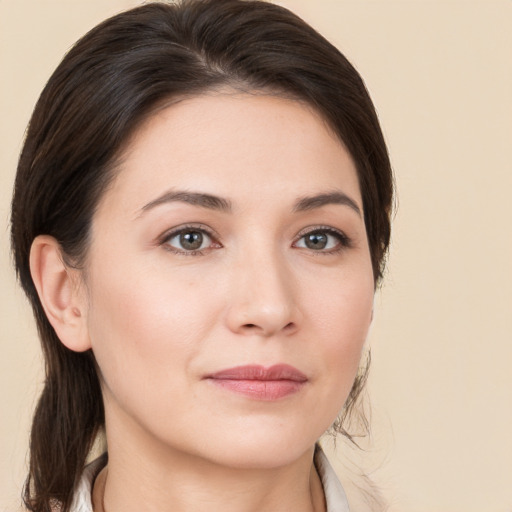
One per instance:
(165,239)
(343,241)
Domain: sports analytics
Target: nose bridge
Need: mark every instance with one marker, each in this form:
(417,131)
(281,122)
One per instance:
(263,300)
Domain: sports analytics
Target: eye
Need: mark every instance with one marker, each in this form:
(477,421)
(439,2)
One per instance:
(323,239)
(188,240)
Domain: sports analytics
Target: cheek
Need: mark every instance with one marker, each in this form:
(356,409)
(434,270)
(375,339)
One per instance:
(148,326)
(343,315)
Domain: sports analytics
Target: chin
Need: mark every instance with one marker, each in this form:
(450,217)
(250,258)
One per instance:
(263,449)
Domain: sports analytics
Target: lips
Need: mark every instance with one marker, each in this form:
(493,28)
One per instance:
(259,382)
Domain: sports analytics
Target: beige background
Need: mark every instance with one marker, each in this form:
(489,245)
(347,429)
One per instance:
(440,74)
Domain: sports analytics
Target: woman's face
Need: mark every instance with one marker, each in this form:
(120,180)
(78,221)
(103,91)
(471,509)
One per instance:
(229,282)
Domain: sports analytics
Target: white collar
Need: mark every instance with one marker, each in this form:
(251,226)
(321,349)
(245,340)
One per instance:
(82,499)
(335,497)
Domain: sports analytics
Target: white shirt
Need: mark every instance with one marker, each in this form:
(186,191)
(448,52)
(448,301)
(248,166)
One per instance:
(335,496)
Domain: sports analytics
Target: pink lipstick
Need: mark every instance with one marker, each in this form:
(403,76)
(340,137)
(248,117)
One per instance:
(260,383)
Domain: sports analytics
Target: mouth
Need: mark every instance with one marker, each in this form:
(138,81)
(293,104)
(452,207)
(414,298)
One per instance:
(260,383)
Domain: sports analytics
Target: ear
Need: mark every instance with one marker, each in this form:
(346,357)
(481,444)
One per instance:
(60,293)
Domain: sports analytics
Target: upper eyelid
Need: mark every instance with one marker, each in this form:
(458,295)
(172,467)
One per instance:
(344,241)
(170,233)
(313,229)
(165,239)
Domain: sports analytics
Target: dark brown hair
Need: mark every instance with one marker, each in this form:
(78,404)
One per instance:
(108,83)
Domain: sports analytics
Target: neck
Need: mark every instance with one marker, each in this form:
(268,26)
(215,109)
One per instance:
(158,479)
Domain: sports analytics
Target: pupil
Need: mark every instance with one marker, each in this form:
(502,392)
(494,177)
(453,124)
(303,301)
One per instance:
(316,241)
(191,240)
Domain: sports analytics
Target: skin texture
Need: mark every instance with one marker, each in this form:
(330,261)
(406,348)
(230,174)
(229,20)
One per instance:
(161,318)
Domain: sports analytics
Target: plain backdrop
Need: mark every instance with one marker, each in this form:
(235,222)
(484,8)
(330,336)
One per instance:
(440,74)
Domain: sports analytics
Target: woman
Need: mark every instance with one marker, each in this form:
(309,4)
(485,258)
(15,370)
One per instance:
(200,218)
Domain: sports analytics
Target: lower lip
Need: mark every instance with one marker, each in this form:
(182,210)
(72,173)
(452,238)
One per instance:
(266,390)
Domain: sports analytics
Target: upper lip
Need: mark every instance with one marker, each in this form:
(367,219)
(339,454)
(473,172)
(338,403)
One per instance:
(258,372)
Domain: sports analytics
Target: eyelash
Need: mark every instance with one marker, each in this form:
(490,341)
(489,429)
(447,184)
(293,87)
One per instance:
(344,242)
(165,239)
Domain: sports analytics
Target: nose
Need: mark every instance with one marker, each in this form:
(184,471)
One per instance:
(264,297)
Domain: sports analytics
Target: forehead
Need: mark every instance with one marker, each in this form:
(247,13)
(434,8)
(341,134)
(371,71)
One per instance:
(236,145)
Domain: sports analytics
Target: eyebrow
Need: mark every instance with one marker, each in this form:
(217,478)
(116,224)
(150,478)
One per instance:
(212,202)
(319,200)
(194,198)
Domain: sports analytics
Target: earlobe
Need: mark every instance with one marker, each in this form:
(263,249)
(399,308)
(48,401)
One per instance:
(58,290)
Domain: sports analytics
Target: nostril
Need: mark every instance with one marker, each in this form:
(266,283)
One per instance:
(290,326)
